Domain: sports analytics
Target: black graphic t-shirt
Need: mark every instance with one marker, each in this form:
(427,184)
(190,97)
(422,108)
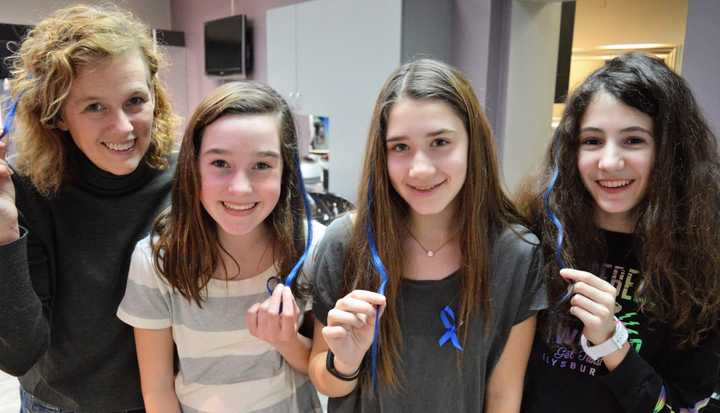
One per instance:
(560,379)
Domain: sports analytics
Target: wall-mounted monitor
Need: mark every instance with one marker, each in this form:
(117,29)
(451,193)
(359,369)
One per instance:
(228,47)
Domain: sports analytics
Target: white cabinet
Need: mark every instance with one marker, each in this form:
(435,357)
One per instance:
(331,57)
(281,55)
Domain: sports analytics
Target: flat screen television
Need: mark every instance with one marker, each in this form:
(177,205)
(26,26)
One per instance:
(228,47)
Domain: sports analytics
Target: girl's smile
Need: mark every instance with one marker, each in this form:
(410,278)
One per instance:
(241,171)
(109,112)
(615,159)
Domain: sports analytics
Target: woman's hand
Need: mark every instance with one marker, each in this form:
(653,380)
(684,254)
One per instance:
(275,320)
(350,328)
(9,229)
(593,302)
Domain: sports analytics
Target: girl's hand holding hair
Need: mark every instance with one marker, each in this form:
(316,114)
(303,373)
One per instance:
(593,302)
(350,328)
(9,229)
(275,321)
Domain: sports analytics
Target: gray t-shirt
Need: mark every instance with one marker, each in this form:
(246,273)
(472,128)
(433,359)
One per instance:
(433,379)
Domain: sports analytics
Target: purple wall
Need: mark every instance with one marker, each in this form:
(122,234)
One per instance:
(470,42)
(470,38)
(701,58)
(189,17)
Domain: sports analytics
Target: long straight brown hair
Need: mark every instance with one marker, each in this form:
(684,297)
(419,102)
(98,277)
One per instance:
(483,205)
(188,251)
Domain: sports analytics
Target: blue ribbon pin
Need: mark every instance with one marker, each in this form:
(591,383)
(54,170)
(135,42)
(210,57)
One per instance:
(447,316)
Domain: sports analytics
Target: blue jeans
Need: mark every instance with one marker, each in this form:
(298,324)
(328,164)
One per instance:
(31,404)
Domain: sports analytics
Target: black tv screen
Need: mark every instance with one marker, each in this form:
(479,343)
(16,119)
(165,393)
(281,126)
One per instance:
(227,49)
(11,35)
(5,53)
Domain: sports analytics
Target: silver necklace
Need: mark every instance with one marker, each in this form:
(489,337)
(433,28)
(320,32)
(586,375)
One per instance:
(429,252)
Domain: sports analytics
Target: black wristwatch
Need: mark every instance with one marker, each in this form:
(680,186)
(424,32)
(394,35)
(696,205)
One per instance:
(330,366)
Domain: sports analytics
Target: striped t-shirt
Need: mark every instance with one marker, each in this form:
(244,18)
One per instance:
(223,368)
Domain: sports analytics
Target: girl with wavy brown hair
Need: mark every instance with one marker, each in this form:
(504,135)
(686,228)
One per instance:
(627,207)
(435,251)
(94,133)
(201,282)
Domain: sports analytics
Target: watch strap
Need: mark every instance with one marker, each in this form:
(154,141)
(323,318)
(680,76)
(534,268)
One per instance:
(609,346)
(330,366)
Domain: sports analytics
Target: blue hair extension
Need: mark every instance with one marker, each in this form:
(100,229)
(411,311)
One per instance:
(555,220)
(8,124)
(380,268)
(308,217)
(308,239)
(10,118)
(559,226)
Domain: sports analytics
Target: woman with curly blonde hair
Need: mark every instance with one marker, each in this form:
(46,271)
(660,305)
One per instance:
(94,132)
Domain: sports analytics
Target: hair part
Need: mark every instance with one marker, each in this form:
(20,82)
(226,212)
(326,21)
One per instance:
(482,192)
(678,226)
(188,252)
(43,70)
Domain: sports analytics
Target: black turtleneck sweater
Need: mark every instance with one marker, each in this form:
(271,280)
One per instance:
(63,280)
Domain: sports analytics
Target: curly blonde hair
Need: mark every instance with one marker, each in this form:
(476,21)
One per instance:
(43,70)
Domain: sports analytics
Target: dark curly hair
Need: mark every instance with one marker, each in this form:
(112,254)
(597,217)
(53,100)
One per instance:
(679,221)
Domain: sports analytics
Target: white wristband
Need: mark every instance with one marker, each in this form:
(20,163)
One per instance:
(609,346)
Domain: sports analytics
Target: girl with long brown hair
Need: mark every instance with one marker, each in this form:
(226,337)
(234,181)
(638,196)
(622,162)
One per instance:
(435,251)
(235,226)
(627,208)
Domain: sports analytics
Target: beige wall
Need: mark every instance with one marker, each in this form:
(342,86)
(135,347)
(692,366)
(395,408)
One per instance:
(534,33)
(603,22)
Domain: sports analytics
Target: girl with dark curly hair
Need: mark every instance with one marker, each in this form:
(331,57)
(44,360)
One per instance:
(628,212)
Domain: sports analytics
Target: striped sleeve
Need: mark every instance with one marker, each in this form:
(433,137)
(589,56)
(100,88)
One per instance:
(146,303)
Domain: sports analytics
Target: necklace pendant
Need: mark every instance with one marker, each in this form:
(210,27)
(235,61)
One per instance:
(430,253)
